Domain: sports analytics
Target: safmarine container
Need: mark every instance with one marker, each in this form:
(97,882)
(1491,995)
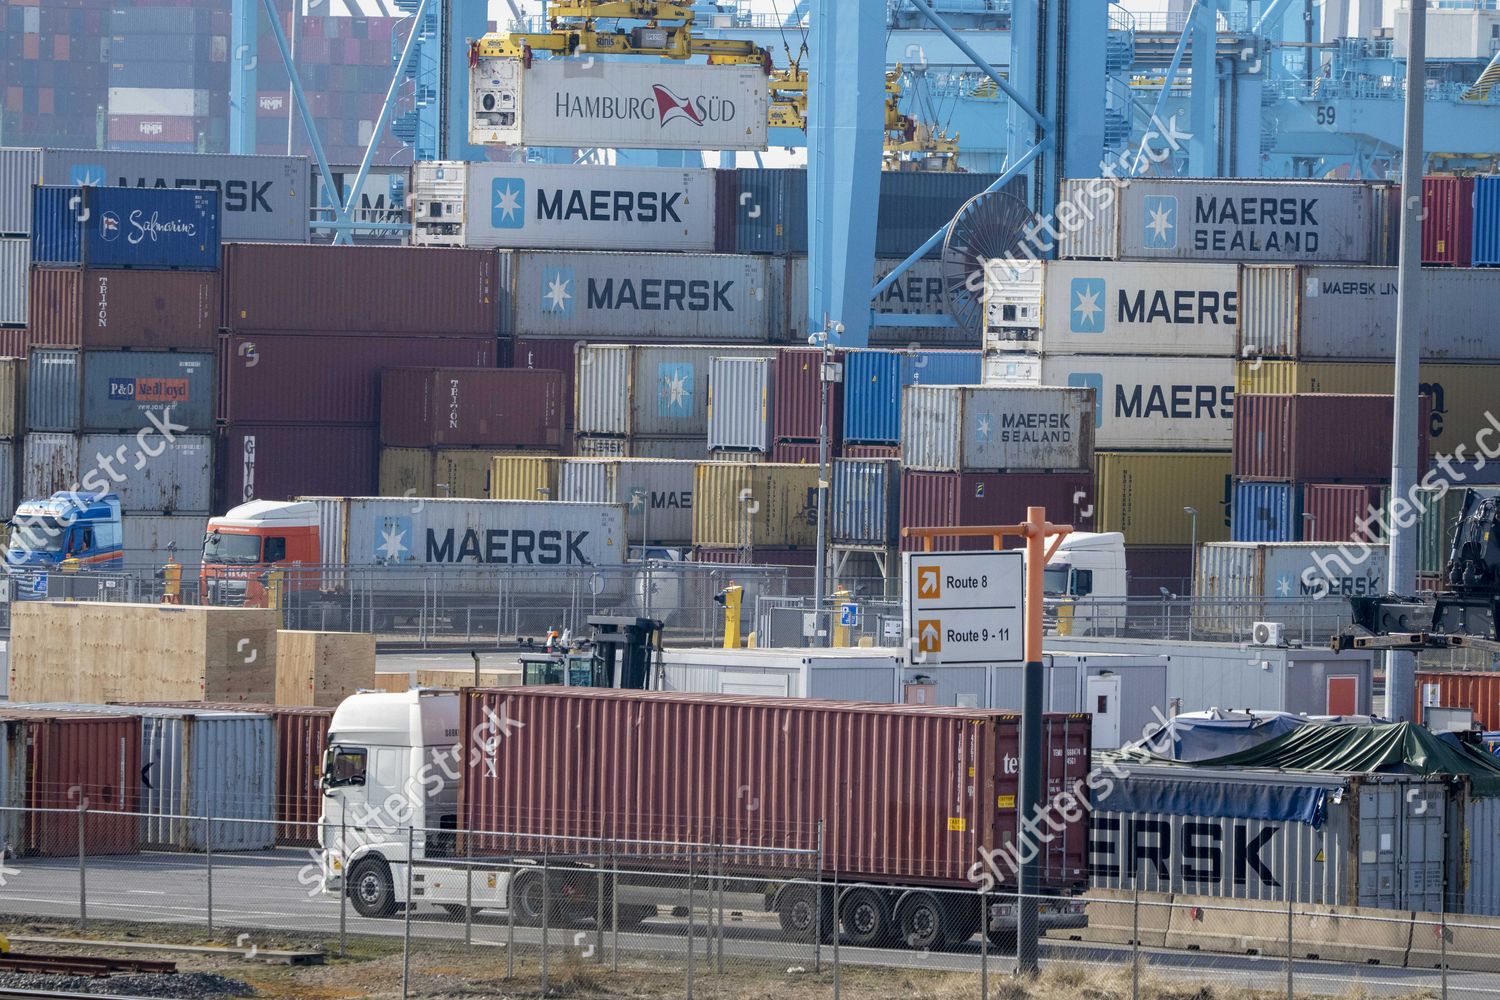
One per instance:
(148,390)
(1448,221)
(1487,221)
(262,197)
(940,499)
(657,494)
(1267,512)
(20,170)
(115,308)
(1334,512)
(1086,307)
(99,756)
(1244,582)
(873,380)
(649,391)
(712,298)
(865,503)
(49,462)
(736,505)
(918,291)
(159,476)
(739,405)
(125,227)
(1142,494)
(15,271)
(948,428)
(1311,436)
(931,808)
(281,461)
(457,407)
(798,390)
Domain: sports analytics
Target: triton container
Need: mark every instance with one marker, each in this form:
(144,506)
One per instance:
(113,308)
(125,227)
(457,407)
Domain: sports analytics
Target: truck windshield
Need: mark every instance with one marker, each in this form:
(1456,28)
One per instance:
(1055,580)
(38,534)
(221,548)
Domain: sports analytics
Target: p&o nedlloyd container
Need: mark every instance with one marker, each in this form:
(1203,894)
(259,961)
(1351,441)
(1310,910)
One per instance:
(1243,582)
(1079,307)
(627,105)
(553,207)
(642,390)
(952,428)
(1256,221)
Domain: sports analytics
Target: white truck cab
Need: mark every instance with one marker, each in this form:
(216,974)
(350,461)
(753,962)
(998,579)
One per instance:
(1084,583)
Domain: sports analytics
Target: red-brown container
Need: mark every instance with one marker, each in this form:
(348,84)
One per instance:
(876,451)
(15,341)
(1448,221)
(115,308)
(905,794)
(964,499)
(71,760)
(794,401)
(471,407)
(307,377)
(557,355)
(301,738)
(1477,691)
(424,291)
(797,452)
(1148,568)
(282,461)
(1337,510)
(1327,437)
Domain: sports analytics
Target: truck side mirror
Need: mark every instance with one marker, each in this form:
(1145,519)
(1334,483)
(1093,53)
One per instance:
(1083,582)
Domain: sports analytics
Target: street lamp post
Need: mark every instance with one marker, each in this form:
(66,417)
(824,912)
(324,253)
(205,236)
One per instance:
(1309,526)
(1192,512)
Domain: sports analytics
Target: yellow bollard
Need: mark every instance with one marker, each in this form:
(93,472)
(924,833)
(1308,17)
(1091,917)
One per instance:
(274,583)
(171,583)
(1065,619)
(840,631)
(729,598)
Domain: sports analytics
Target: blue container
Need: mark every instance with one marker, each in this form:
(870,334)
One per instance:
(159,228)
(866,502)
(873,381)
(1487,221)
(1266,512)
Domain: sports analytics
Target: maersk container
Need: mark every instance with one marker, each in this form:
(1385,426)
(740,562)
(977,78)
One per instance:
(1487,221)
(1244,582)
(1322,838)
(739,405)
(158,477)
(657,494)
(713,298)
(20,171)
(917,291)
(1448,221)
(1253,221)
(641,390)
(1266,512)
(1136,307)
(866,503)
(1318,312)
(951,428)
(149,538)
(873,380)
(263,198)
(15,268)
(1142,403)
(148,390)
(49,463)
(561,207)
(125,227)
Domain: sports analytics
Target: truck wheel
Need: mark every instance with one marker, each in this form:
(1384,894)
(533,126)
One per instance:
(526,891)
(866,918)
(370,889)
(921,921)
(797,908)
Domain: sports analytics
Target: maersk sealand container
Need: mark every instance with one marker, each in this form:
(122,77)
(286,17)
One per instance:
(125,227)
(873,381)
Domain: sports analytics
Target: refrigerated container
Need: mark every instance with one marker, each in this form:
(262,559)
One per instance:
(1448,221)
(15,274)
(1095,307)
(125,227)
(739,405)
(649,391)
(1143,495)
(1267,512)
(948,428)
(119,308)
(471,407)
(561,206)
(1244,582)
(865,501)
(945,499)
(738,505)
(873,380)
(658,494)
(1312,437)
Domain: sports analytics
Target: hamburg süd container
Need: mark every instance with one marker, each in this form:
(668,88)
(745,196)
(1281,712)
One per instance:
(49,462)
(125,227)
(798,389)
(1142,494)
(657,493)
(917,291)
(262,197)
(739,405)
(1334,512)
(1487,221)
(649,391)
(425,472)
(561,207)
(57,752)
(480,407)
(20,171)
(1312,437)
(119,308)
(15,274)
(1448,221)
(1098,307)
(932,807)
(177,479)
(708,298)
(1245,582)
(282,461)
(939,499)
(1142,403)
(1267,512)
(742,505)
(420,291)
(873,380)
(1250,221)
(522,477)
(950,428)
(866,503)
(148,537)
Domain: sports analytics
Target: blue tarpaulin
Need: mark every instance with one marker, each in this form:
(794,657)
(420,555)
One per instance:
(1298,804)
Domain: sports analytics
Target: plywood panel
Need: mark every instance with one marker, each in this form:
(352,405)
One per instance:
(322,668)
(488,677)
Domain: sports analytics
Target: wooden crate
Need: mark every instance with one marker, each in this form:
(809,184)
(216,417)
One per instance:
(393,683)
(323,668)
(488,677)
(98,652)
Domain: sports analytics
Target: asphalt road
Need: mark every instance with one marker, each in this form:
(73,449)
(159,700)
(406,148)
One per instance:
(277,891)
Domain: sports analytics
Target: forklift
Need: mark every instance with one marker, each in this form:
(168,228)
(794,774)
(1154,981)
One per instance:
(623,653)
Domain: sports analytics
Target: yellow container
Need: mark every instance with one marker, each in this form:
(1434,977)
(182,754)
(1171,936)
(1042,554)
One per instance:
(779,510)
(523,477)
(1143,495)
(425,472)
(462,472)
(1461,394)
(405,472)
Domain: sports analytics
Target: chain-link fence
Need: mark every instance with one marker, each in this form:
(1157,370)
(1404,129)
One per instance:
(523,915)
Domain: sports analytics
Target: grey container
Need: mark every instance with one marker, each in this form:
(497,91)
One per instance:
(662,448)
(178,479)
(49,462)
(148,537)
(866,502)
(52,390)
(917,291)
(739,405)
(263,198)
(20,170)
(15,272)
(8,467)
(953,428)
(125,390)
(713,298)
(657,494)
(648,391)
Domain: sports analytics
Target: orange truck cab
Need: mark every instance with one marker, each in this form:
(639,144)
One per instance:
(245,547)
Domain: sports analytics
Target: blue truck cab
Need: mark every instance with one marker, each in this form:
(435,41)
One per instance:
(66,526)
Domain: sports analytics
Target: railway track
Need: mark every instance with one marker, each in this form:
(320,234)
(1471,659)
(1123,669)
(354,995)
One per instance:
(82,965)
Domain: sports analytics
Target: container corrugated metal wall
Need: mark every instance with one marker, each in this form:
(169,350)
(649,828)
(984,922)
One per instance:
(1241,576)
(12,397)
(1270,304)
(125,227)
(281,461)
(1142,494)
(1337,510)
(122,390)
(1487,222)
(13,755)
(49,462)
(147,537)
(918,291)
(779,509)
(1479,691)
(873,380)
(479,407)
(8,466)
(657,494)
(796,396)
(100,757)
(1267,512)
(866,502)
(604,389)
(739,404)
(15,270)
(524,477)
(928,819)
(20,170)
(52,390)
(990,428)
(1288,438)
(649,391)
(933,499)
(178,480)
(1448,221)
(147,310)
